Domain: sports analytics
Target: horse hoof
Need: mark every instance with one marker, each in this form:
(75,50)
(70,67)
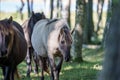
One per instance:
(28,75)
(42,78)
(35,71)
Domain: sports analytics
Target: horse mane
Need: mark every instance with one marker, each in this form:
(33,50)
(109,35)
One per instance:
(51,21)
(4,25)
(38,16)
(33,20)
(67,34)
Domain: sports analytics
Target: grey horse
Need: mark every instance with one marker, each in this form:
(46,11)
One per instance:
(51,39)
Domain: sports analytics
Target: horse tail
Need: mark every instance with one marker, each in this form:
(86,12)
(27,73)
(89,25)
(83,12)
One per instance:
(46,65)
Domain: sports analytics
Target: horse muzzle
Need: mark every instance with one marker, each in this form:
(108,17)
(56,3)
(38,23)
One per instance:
(67,55)
(67,58)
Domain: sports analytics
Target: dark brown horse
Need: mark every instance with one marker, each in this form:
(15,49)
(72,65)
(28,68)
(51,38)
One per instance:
(13,47)
(28,26)
(51,39)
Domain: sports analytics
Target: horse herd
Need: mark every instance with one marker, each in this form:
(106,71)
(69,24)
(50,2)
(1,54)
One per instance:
(38,38)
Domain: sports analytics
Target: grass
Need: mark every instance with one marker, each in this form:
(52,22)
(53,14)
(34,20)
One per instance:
(87,70)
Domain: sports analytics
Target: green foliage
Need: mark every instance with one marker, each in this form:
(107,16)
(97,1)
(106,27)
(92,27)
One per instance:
(86,70)
(115,1)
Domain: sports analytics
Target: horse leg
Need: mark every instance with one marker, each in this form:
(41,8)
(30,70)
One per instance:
(28,61)
(36,62)
(59,66)
(14,73)
(7,73)
(13,69)
(42,67)
(53,67)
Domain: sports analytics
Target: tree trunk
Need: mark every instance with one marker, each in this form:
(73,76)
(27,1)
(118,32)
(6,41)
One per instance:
(88,25)
(21,9)
(66,11)
(59,8)
(111,65)
(69,13)
(31,6)
(99,12)
(28,7)
(77,35)
(109,12)
(51,6)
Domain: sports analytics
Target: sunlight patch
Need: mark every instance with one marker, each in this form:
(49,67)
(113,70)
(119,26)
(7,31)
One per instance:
(68,68)
(97,67)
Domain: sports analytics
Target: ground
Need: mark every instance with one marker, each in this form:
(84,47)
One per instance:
(87,70)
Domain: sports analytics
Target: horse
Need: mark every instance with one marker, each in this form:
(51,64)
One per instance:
(28,26)
(13,47)
(51,38)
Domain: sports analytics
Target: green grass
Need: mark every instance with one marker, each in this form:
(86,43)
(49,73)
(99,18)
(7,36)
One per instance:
(87,70)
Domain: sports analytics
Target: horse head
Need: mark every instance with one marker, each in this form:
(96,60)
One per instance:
(65,41)
(6,36)
(37,16)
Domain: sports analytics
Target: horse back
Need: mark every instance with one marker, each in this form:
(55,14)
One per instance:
(18,26)
(39,36)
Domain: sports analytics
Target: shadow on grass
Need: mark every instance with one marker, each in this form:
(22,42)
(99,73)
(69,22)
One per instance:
(87,70)
(79,71)
(70,71)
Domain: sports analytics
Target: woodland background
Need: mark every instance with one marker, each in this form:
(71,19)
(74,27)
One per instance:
(92,21)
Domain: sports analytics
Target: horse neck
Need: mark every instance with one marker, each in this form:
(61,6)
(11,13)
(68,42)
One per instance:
(31,23)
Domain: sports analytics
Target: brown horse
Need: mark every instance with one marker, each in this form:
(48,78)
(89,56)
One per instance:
(28,26)
(51,39)
(13,47)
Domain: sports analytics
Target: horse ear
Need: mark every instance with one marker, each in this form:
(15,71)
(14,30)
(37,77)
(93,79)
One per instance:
(43,15)
(10,20)
(71,31)
(32,12)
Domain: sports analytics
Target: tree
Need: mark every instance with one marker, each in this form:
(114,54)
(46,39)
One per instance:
(99,13)
(28,7)
(109,12)
(21,9)
(88,24)
(58,8)
(111,65)
(66,11)
(31,7)
(78,34)
(52,8)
